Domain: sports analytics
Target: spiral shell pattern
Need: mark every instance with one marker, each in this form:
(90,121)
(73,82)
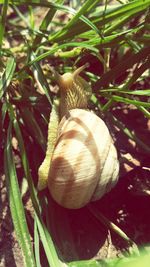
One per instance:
(84,164)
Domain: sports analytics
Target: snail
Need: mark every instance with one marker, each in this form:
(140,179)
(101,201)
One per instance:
(81,163)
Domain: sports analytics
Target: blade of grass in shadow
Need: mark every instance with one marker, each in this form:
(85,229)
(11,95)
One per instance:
(115,13)
(144,111)
(58,222)
(22,16)
(134,45)
(16,205)
(40,78)
(139,104)
(131,101)
(110,225)
(120,125)
(53,50)
(107,105)
(136,74)
(3,20)
(33,127)
(112,39)
(110,75)
(69,10)
(88,4)
(117,24)
(24,159)
(3,114)
(7,75)
(129,133)
(104,12)
(145,92)
(46,22)
(44,234)
(121,67)
(133,8)
(28,29)
(47,244)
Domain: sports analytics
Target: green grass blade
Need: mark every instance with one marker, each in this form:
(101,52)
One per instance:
(24,157)
(26,167)
(33,127)
(53,50)
(110,225)
(36,245)
(59,7)
(118,23)
(145,92)
(131,101)
(49,16)
(137,73)
(7,75)
(31,18)
(3,20)
(122,126)
(44,234)
(41,78)
(129,133)
(46,21)
(120,12)
(121,67)
(58,222)
(107,106)
(110,40)
(144,111)
(141,261)
(22,16)
(47,244)
(77,16)
(16,205)
(3,114)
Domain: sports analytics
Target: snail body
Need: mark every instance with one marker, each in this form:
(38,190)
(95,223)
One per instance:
(81,162)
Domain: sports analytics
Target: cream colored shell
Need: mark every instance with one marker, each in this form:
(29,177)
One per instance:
(84,164)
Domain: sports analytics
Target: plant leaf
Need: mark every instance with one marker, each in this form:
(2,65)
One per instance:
(16,205)
(7,75)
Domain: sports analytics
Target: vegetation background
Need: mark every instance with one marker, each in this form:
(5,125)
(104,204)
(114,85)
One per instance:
(114,38)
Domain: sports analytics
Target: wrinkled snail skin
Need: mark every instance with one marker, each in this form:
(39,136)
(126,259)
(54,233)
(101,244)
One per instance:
(84,164)
(43,170)
(74,90)
(74,93)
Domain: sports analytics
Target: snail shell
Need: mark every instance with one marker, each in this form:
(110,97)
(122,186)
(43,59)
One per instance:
(84,163)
